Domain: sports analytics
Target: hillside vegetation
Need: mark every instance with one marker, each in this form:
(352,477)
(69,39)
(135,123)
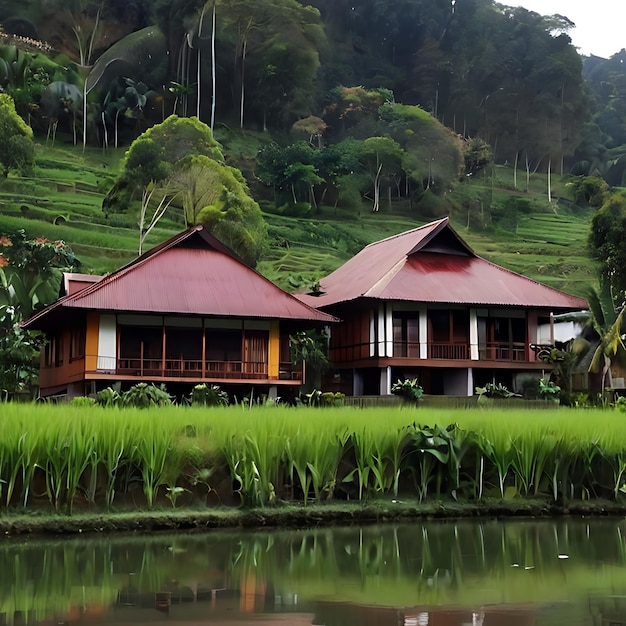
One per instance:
(545,241)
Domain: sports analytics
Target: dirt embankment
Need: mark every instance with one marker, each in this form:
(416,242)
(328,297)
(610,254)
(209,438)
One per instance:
(293,516)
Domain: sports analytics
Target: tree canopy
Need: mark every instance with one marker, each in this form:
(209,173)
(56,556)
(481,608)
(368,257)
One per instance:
(183,159)
(17,150)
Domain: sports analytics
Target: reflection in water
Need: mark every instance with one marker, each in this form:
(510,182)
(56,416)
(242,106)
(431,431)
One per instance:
(512,573)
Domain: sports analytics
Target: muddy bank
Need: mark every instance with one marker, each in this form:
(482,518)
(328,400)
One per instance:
(292,516)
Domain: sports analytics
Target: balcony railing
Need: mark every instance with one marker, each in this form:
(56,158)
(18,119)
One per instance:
(451,351)
(189,368)
(515,351)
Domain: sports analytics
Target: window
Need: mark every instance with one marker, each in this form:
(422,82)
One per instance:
(78,338)
(406,335)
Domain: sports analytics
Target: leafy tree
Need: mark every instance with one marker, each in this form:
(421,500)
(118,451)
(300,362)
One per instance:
(293,168)
(590,190)
(182,157)
(153,155)
(30,274)
(16,147)
(381,158)
(606,244)
(217,196)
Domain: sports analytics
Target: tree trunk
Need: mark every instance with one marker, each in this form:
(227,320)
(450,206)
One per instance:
(243,69)
(550,180)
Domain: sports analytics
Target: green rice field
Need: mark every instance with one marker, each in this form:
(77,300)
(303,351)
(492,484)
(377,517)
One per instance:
(61,457)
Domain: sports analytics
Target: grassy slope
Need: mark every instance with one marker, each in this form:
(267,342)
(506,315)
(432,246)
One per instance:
(63,201)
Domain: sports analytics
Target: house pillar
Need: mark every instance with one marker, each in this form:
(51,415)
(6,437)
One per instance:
(91,342)
(389,330)
(107,343)
(385,381)
(382,344)
(470,381)
(423,331)
(274,350)
(473,334)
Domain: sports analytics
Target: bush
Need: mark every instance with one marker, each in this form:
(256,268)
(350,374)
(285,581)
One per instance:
(408,388)
(143,396)
(108,397)
(208,395)
(83,401)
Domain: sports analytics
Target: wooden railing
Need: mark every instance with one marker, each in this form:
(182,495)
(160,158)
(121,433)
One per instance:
(189,368)
(503,352)
(451,351)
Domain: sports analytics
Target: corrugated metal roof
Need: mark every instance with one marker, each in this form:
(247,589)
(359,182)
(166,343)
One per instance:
(73,282)
(191,274)
(433,264)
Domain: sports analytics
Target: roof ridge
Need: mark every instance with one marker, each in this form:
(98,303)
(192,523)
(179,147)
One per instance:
(408,232)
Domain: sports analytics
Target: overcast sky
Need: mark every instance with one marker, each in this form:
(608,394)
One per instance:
(600,24)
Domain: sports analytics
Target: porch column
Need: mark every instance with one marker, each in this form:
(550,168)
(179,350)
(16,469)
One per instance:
(423,330)
(470,381)
(389,329)
(91,342)
(274,349)
(473,335)
(385,381)
(382,344)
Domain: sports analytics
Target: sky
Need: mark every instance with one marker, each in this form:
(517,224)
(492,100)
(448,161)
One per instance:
(600,24)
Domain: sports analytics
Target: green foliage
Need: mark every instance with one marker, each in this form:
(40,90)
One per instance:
(208,395)
(494,390)
(608,232)
(145,396)
(108,397)
(549,390)
(18,354)
(16,148)
(589,190)
(83,401)
(310,347)
(408,388)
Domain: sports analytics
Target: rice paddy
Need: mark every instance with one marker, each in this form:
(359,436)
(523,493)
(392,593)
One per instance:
(61,457)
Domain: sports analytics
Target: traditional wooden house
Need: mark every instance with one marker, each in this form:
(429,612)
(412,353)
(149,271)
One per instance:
(186,312)
(423,304)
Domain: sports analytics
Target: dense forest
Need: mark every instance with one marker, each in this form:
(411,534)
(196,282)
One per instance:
(108,69)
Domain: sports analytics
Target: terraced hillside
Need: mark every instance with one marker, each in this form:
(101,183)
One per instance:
(63,200)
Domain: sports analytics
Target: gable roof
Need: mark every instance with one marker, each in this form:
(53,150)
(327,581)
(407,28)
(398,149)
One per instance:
(433,264)
(192,273)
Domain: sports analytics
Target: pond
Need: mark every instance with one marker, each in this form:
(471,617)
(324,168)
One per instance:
(464,573)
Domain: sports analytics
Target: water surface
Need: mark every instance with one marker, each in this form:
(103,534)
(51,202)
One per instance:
(488,573)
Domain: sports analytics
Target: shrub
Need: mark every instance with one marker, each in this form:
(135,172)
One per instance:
(549,390)
(83,401)
(208,395)
(108,397)
(494,390)
(143,396)
(408,388)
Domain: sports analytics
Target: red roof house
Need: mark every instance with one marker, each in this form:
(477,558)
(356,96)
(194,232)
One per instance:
(423,304)
(187,311)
